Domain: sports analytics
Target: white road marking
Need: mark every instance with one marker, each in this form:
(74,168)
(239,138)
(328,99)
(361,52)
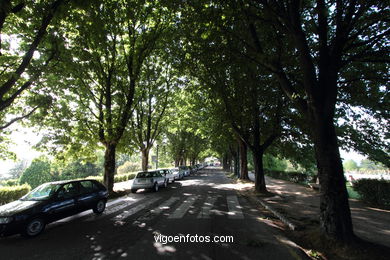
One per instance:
(114,206)
(208,205)
(127,213)
(234,208)
(183,208)
(165,206)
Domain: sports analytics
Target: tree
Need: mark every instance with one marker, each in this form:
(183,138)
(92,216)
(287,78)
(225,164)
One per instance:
(327,40)
(350,165)
(37,173)
(368,165)
(25,23)
(320,53)
(79,169)
(155,91)
(105,47)
(18,169)
(251,110)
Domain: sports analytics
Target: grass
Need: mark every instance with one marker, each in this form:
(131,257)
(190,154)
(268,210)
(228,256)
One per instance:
(351,192)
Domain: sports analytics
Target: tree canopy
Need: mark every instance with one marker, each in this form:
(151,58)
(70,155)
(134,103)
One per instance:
(290,79)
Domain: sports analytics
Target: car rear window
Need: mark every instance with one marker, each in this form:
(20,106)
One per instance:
(87,186)
(145,175)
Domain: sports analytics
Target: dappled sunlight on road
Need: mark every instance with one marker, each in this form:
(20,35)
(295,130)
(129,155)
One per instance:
(162,249)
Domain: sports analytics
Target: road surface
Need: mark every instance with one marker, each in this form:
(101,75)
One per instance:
(201,208)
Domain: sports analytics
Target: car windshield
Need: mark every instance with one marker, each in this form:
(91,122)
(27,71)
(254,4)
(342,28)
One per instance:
(43,192)
(145,175)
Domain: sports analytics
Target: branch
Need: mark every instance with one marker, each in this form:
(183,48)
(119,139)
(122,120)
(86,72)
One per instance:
(29,54)
(18,118)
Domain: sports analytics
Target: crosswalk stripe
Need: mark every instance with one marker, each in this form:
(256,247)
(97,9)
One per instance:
(114,207)
(166,205)
(208,205)
(127,213)
(183,208)
(234,208)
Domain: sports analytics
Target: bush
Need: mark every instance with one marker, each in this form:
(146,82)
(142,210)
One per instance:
(372,191)
(117,178)
(37,173)
(96,178)
(78,169)
(11,193)
(129,167)
(9,182)
(297,177)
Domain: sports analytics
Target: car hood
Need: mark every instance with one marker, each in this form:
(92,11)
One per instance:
(17,206)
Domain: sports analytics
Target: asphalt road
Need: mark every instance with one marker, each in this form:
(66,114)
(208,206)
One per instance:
(197,208)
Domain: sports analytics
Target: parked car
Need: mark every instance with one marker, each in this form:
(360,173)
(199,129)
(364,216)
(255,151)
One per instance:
(167,174)
(148,180)
(184,170)
(49,202)
(177,174)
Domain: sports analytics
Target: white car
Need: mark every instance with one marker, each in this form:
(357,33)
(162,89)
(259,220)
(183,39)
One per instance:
(167,174)
(184,170)
(148,180)
(176,174)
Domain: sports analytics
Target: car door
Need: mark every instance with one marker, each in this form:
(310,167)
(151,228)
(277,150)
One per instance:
(64,203)
(88,196)
(163,173)
(162,178)
(158,177)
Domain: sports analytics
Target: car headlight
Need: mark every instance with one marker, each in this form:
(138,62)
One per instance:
(5,220)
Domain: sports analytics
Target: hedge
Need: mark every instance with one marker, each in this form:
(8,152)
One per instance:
(373,191)
(9,182)
(297,177)
(11,193)
(117,178)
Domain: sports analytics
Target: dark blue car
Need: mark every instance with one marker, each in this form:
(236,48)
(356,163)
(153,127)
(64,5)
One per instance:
(49,202)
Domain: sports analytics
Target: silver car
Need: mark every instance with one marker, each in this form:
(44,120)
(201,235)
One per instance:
(176,174)
(184,170)
(168,175)
(148,180)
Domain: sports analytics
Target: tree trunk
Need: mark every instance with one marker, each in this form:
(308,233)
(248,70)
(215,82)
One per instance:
(259,171)
(335,215)
(226,162)
(145,158)
(235,159)
(109,166)
(243,160)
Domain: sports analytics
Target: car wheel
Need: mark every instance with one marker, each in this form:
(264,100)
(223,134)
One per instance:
(34,227)
(133,190)
(155,187)
(99,207)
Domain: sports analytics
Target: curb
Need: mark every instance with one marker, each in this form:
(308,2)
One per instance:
(277,214)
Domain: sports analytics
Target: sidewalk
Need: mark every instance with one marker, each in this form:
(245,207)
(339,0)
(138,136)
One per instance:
(301,205)
(122,186)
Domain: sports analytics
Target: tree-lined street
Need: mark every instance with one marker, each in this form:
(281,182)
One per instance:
(204,205)
(277,88)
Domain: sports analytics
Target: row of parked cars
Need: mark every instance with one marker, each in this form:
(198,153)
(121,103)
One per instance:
(161,177)
(52,201)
